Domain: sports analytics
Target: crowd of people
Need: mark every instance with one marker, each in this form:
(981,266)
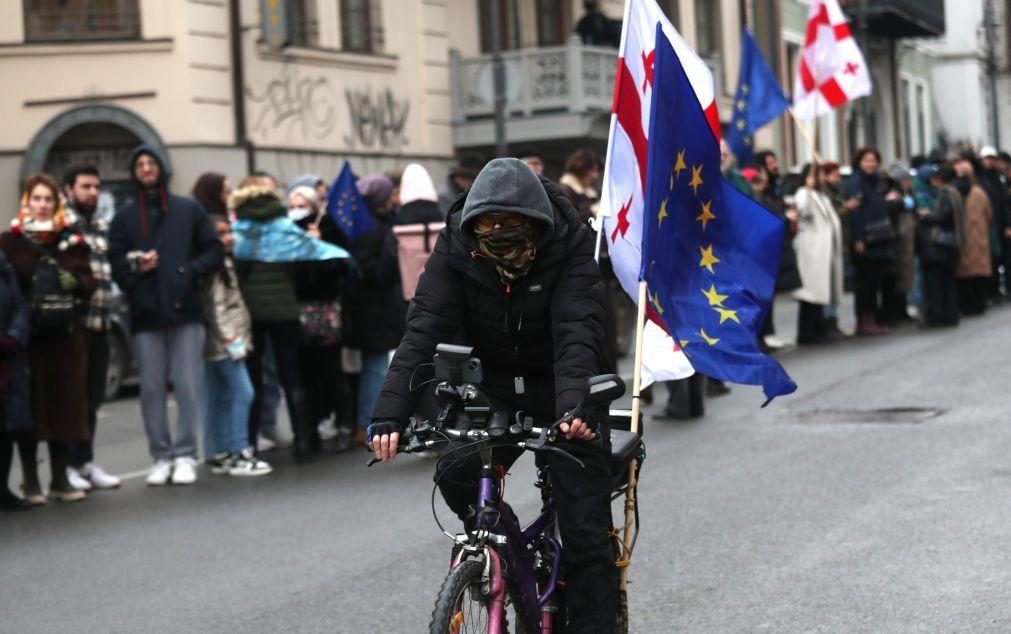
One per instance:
(241,298)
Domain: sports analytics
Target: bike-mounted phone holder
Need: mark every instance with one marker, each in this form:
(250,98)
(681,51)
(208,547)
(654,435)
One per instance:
(456,365)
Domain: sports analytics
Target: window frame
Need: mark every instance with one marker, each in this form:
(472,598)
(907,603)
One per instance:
(83,35)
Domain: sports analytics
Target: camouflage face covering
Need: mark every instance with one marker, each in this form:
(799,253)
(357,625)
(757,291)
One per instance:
(509,245)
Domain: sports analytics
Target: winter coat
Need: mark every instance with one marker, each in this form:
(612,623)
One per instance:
(904,223)
(788,277)
(226,317)
(374,307)
(322,281)
(58,366)
(448,193)
(947,215)
(996,189)
(584,199)
(268,288)
(15,323)
(546,331)
(419,212)
(974,254)
(819,249)
(871,213)
(188,248)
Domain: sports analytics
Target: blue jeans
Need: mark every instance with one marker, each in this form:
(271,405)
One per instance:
(370,383)
(229,393)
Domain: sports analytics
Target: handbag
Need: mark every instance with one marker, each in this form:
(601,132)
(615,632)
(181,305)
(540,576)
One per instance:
(320,323)
(878,231)
(944,238)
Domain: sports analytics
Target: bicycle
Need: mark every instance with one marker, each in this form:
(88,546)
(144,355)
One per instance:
(496,563)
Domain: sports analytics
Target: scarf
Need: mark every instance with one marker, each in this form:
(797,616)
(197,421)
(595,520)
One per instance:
(510,249)
(42,231)
(280,240)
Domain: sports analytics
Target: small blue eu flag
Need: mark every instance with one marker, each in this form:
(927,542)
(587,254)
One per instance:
(346,207)
(710,254)
(759,100)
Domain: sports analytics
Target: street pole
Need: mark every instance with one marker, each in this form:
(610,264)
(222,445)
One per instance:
(870,134)
(238,85)
(498,79)
(989,25)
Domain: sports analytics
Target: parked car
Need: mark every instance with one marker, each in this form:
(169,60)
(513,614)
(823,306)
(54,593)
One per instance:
(122,364)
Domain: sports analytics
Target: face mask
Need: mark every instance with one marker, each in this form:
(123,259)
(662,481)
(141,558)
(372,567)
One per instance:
(298,213)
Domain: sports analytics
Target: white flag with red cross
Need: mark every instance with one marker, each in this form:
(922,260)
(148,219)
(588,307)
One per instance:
(832,69)
(621,204)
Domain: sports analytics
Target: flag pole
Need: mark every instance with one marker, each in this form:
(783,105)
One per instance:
(625,559)
(807,137)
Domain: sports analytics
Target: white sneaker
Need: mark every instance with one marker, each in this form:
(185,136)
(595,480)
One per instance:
(774,342)
(184,471)
(264,444)
(99,477)
(246,464)
(327,429)
(160,473)
(77,480)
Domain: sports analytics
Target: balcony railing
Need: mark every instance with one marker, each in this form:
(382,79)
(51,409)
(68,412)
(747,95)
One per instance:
(89,24)
(570,78)
(898,18)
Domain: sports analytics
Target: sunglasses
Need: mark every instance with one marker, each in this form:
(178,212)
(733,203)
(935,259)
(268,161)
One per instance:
(488,222)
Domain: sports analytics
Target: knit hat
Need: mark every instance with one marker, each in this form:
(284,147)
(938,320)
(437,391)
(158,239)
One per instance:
(375,189)
(416,184)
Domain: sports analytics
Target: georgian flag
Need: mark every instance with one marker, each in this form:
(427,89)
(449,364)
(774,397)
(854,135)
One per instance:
(621,204)
(832,69)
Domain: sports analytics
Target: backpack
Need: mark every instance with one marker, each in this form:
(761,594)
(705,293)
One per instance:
(53,308)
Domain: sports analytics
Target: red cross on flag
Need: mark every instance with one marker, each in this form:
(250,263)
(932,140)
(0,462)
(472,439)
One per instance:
(832,69)
(621,204)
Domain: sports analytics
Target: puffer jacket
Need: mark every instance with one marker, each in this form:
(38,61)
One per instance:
(226,317)
(268,288)
(15,324)
(547,328)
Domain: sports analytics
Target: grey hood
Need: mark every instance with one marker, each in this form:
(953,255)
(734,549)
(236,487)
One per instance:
(507,184)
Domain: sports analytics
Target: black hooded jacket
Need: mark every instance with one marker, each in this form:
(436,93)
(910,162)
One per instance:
(547,328)
(188,248)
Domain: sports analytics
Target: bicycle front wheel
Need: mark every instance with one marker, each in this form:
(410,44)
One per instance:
(462,606)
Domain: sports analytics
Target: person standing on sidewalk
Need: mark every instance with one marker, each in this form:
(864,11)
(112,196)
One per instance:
(81,185)
(160,245)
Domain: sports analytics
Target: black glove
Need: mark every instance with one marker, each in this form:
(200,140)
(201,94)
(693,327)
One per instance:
(381,428)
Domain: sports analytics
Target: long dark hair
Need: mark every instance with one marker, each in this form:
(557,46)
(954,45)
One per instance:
(222,271)
(207,192)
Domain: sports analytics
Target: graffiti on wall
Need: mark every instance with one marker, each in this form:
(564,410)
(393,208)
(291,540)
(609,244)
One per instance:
(378,119)
(305,107)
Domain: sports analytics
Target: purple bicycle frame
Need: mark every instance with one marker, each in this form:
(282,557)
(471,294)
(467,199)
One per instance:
(523,578)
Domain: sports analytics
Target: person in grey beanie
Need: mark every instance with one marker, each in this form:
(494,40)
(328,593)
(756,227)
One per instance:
(513,275)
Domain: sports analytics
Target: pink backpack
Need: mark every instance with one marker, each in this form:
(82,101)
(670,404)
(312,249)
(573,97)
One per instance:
(414,245)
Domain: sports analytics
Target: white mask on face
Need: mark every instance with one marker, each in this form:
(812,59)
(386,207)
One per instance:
(298,213)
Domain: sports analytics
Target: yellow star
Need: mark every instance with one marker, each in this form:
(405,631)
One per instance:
(706,215)
(726,314)
(655,300)
(679,165)
(740,125)
(684,343)
(710,340)
(663,213)
(708,259)
(696,179)
(741,105)
(715,299)
(745,89)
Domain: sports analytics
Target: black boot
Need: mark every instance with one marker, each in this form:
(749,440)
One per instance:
(298,412)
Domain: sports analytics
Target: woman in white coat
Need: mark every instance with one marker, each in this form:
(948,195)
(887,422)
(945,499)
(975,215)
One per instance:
(818,244)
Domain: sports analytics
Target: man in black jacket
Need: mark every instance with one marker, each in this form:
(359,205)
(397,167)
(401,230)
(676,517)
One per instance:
(513,275)
(160,245)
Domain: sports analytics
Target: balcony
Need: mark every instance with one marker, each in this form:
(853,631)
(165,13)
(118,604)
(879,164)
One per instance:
(896,19)
(552,93)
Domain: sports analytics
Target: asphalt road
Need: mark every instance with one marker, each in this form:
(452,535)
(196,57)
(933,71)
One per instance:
(805,516)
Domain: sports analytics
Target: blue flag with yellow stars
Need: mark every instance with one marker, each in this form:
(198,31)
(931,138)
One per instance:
(759,100)
(710,254)
(345,205)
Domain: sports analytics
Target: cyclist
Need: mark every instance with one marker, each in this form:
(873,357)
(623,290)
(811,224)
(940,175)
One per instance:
(513,275)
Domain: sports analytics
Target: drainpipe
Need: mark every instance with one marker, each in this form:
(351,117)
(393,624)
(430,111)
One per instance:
(870,134)
(238,84)
(990,25)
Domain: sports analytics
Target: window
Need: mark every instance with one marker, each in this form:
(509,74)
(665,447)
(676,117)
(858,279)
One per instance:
(80,20)
(707,19)
(361,26)
(508,29)
(553,22)
(303,23)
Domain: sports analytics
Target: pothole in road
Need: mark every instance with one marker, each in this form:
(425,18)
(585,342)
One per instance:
(878,416)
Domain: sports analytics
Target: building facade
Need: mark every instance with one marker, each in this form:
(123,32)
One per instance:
(286,86)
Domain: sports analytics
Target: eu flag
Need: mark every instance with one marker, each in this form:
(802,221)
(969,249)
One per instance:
(345,205)
(710,254)
(759,100)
